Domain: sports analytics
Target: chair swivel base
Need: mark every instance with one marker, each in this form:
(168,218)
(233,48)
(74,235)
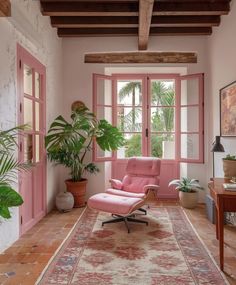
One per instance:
(125,219)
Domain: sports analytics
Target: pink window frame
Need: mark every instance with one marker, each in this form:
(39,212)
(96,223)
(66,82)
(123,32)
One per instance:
(200,133)
(146,112)
(97,77)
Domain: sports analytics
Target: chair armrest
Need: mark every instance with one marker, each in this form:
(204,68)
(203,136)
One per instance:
(151,187)
(116,184)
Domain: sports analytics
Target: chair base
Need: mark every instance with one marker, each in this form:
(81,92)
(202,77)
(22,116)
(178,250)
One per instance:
(125,219)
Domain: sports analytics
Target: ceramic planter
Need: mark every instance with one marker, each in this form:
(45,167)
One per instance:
(64,201)
(229,167)
(78,190)
(188,200)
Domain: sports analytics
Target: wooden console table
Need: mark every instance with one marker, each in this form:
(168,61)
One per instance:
(225,201)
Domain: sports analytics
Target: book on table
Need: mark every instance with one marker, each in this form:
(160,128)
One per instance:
(229,186)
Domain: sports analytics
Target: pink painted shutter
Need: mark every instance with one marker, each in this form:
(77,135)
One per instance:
(103,107)
(191,118)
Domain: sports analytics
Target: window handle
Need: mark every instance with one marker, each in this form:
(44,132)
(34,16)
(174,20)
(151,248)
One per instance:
(147,133)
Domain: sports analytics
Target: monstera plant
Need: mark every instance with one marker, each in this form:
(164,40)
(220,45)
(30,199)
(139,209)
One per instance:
(9,165)
(67,143)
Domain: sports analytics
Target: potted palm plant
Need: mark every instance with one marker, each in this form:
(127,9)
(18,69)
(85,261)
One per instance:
(9,165)
(67,143)
(187,188)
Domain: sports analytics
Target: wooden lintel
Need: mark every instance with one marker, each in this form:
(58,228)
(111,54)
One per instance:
(141,57)
(145,17)
(5,8)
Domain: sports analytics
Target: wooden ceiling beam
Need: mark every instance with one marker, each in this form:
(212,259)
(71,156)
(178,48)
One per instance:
(162,31)
(141,57)
(5,8)
(132,22)
(145,17)
(191,8)
(71,8)
(131,8)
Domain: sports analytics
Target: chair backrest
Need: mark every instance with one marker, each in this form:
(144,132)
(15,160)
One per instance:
(141,171)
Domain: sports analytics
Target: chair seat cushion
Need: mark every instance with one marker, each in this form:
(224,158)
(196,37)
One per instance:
(114,204)
(125,193)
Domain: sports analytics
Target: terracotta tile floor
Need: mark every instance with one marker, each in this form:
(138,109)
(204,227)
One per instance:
(23,262)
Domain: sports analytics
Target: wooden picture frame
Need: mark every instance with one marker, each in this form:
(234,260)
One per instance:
(228,110)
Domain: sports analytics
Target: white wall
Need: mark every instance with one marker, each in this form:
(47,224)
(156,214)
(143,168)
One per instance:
(78,77)
(33,31)
(222,70)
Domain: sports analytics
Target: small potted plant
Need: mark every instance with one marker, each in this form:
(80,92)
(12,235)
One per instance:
(68,143)
(229,166)
(188,193)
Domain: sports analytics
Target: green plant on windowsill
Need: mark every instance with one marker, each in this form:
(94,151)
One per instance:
(9,165)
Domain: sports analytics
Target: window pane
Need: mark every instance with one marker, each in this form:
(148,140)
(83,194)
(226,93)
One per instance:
(37,84)
(104,91)
(133,146)
(28,112)
(162,119)
(28,148)
(190,91)
(189,119)
(129,119)
(37,148)
(129,92)
(190,146)
(28,80)
(104,113)
(37,105)
(162,92)
(163,146)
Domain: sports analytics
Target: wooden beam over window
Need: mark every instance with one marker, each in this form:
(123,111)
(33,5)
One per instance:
(141,57)
(5,8)
(145,17)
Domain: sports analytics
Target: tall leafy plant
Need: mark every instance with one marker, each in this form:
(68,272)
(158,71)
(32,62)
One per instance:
(9,165)
(67,143)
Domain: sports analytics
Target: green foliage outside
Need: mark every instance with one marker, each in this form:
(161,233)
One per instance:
(230,157)
(162,119)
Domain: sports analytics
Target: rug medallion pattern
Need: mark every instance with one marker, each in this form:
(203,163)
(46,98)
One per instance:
(166,252)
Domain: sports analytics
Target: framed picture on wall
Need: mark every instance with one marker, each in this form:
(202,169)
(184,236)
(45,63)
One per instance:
(228,110)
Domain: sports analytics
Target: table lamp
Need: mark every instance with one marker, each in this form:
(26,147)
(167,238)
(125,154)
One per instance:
(217,147)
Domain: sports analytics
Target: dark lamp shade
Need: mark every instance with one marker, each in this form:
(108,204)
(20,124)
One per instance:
(217,146)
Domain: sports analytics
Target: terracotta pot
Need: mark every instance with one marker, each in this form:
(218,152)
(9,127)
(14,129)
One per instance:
(64,201)
(229,167)
(78,190)
(188,200)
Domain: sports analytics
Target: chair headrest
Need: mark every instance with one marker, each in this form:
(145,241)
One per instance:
(148,166)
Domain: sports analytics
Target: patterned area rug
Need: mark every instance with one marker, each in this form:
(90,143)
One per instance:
(167,252)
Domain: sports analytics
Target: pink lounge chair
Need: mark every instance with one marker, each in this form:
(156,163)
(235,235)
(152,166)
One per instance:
(131,193)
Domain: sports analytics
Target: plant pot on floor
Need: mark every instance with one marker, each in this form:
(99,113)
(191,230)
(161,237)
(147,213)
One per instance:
(188,200)
(229,167)
(78,190)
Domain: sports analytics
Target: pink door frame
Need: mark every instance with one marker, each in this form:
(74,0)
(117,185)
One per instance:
(38,172)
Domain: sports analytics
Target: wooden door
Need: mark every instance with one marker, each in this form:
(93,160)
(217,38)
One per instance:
(31,93)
